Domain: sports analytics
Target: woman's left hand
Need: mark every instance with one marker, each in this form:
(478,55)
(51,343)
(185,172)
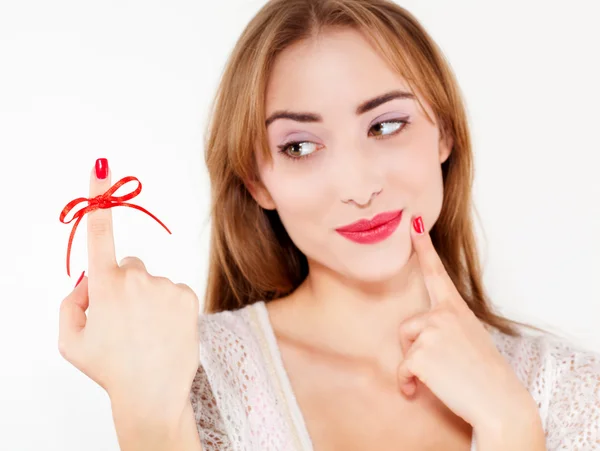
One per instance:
(449,350)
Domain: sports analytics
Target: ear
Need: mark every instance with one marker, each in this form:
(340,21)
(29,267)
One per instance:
(445,148)
(260,194)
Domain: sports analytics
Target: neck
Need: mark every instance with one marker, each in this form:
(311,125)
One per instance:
(357,319)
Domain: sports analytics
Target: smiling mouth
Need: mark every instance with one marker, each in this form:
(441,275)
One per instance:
(370,231)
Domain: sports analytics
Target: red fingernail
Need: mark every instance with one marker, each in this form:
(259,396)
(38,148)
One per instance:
(80,278)
(101,168)
(418,225)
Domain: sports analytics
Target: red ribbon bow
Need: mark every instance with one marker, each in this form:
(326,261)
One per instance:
(106,200)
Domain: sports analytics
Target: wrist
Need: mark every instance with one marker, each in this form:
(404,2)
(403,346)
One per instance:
(139,409)
(140,429)
(520,429)
(514,406)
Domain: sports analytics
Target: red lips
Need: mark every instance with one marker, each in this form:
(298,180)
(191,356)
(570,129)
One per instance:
(367,224)
(369,231)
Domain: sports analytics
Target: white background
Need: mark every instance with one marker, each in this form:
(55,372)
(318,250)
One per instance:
(132,81)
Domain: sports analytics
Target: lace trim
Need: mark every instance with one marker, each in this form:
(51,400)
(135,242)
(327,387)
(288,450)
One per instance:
(265,337)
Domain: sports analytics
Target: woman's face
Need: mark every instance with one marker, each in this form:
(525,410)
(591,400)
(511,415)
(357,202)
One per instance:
(352,163)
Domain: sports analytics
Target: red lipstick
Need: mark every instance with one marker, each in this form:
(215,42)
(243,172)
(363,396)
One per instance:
(370,231)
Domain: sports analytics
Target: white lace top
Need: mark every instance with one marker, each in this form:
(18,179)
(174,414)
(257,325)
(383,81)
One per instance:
(243,399)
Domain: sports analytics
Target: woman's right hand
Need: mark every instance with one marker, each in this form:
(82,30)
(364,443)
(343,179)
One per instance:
(139,339)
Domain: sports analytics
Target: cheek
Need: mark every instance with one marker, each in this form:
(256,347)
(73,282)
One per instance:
(415,172)
(417,176)
(298,196)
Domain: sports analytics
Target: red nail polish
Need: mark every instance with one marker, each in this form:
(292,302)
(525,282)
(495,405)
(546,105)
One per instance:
(80,278)
(418,225)
(101,168)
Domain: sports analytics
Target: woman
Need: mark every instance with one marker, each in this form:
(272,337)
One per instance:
(344,307)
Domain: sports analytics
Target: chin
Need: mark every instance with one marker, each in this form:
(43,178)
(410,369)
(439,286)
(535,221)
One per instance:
(374,272)
(375,265)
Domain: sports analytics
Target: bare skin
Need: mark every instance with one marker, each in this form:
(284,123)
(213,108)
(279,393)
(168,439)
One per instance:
(340,332)
(351,403)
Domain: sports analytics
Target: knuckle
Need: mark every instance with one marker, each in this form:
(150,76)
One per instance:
(184,287)
(186,290)
(412,363)
(163,284)
(428,338)
(443,316)
(437,268)
(401,371)
(134,276)
(431,271)
(405,328)
(135,271)
(452,308)
(127,260)
(178,291)
(402,329)
(99,226)
(163,281)
(63,348)
(192,301)
(187,297)
(131,261)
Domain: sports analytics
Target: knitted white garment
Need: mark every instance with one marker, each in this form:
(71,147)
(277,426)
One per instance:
(243,399)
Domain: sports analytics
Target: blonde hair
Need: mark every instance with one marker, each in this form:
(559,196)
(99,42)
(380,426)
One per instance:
(252,257)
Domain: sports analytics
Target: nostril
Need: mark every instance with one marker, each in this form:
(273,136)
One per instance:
(362,203)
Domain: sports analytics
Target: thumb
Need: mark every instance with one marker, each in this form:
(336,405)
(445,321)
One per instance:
(72,318)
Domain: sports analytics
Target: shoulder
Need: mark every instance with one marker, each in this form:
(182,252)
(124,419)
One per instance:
(230,381)
(235,389)
(573,416)
(229,337)
(227,323)
(564,379)
(571,361)
(560,357)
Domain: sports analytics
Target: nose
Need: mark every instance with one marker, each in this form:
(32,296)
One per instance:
(359,178)
(362,203)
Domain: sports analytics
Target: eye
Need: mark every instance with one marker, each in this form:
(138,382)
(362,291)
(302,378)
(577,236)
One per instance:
(297,150)
(393,127)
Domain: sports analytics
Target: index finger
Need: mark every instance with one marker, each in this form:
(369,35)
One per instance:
(439,284)
(101,243)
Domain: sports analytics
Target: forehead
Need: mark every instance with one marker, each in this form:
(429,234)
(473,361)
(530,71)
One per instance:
(337,68)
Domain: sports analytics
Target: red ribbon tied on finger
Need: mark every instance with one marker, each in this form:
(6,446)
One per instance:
(106,200)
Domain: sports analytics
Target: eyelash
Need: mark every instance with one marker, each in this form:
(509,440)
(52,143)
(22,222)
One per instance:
(286,146)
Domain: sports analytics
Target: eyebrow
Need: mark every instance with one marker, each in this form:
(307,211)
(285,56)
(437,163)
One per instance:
(365,106)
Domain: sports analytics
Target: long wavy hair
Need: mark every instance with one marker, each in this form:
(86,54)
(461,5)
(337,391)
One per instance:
(252,257)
